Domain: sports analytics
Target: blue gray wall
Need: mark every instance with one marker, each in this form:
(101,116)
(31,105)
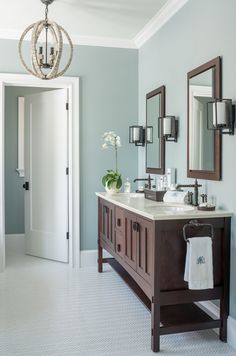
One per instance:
(199,32)
(108,101)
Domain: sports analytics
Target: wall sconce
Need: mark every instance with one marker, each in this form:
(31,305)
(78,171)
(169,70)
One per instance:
(137,135)
(168,128)
(221,116)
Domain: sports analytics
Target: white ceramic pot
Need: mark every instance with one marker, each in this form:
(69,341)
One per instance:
(112,189)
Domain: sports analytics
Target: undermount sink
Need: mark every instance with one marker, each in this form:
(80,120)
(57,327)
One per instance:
(169,208)
(136,195)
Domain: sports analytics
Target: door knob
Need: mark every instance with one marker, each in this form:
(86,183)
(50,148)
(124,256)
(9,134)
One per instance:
(26,185)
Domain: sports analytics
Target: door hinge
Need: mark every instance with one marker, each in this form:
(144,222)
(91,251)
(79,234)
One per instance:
(67,235)
(67,106)
(67,171)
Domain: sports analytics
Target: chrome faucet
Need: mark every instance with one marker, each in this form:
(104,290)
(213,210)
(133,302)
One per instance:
(195,194)
(149,179)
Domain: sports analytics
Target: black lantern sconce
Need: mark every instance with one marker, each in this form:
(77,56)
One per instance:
(138,134)
(221,116)
(168,128)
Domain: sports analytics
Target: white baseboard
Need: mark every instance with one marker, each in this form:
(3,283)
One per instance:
(232,332)
(15,235)
(231,323)
(88,258)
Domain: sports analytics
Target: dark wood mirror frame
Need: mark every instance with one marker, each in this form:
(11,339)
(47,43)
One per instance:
(217,85)
(162,92)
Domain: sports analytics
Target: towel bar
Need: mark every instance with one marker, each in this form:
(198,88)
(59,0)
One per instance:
(197,224)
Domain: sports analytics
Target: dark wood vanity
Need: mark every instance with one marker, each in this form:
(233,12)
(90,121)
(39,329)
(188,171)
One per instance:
(150,256)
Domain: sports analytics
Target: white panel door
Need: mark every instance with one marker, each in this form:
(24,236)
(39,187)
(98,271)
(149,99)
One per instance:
(46,160)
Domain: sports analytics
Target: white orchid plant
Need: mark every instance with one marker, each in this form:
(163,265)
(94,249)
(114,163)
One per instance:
(113,177)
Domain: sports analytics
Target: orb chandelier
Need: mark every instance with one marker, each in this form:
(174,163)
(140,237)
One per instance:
(47,47)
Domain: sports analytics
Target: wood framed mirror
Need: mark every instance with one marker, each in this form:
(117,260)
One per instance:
(155,145)
(203,145)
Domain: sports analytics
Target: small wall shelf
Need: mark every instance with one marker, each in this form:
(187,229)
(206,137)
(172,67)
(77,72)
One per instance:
(21,120)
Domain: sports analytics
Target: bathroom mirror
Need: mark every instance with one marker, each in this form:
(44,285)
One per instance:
(155,148)
(204,145)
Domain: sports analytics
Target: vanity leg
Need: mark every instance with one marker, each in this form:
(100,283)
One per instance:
(224,317)
(224,311)
(100,257)
(155,316)
(224,302)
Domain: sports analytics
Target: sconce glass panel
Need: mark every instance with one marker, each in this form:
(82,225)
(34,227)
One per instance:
(149,134)
(221,116)
(168,128)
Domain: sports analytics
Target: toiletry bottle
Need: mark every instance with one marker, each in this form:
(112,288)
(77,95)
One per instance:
(127,186)
(161,183)
(171,177)
(165,185)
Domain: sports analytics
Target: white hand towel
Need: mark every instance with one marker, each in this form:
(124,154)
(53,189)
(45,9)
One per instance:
(176,196)
(199,263)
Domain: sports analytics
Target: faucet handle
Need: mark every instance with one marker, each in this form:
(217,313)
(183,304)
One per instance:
(190,197)
(204,198)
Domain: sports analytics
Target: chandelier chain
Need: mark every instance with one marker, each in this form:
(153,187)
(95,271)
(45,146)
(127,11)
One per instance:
(46,14)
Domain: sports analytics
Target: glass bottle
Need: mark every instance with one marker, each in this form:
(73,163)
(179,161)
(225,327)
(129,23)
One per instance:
(127,186)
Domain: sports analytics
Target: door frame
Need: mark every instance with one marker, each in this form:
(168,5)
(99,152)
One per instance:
(72,84)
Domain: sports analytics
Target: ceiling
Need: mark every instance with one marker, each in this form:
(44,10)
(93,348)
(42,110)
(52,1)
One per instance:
(114,20)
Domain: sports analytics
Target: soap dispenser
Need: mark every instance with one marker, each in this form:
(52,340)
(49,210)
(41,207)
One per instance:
(171,177)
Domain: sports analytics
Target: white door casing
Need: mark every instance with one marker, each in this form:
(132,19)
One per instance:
(72,84)
(195,110)
(46,162)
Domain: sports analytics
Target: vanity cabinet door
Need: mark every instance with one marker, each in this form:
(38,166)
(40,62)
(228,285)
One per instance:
(130,235)
(145,234)
(107,223)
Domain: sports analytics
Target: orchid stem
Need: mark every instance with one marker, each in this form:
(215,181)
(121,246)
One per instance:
(116,160)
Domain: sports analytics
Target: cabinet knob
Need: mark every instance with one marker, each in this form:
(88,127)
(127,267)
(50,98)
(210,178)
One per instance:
(118,222)
(136,226)
(118,247)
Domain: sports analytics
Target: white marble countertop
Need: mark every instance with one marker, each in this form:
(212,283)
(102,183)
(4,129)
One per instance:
(136,203)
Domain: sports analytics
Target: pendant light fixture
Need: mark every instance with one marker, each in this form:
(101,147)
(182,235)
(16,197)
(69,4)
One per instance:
(47,47)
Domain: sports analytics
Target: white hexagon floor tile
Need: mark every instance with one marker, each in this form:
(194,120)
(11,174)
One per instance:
(49,309)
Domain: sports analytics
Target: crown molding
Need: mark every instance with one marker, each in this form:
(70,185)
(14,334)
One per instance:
(9,34)
(103,42)
(162,16)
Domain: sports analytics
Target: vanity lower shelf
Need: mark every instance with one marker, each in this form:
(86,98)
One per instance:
(174,318)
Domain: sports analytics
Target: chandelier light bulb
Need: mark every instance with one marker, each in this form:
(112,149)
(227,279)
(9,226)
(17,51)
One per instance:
(46,56)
